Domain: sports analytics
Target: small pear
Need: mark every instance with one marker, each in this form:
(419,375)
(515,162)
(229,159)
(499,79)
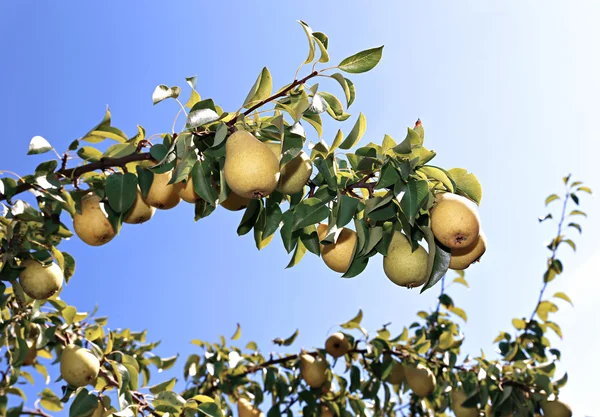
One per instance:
(78,366)
(462,258)
(458,398)
(338,256)
(163,195)
(40,282)
(246,409)
(454,220)
(31,357)
(396,376)
(294,175)
(337,345)
(185,190)
(234,202)
(420,380)
(140,212)
(325,411)
(92,225)
(556,409)
(313,370)
(251,169)
(403,266)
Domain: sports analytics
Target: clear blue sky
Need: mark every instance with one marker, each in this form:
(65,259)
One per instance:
(508,90)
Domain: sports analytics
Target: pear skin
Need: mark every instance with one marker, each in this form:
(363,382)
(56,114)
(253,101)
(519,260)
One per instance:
(251,169)
(338,256)
(92,225)
(337,345)
(462,258)
(234,202)
(325,411)
(313,370)
(458,398)
(556,409)
(40,282)
(403,266)
(185,190)
(454,220)
(163,195)
(31,357)
(420,380)
(396,376)
(246,409)
(140,212)
(78,366)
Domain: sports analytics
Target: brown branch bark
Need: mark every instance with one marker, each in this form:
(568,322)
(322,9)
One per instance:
(37,412)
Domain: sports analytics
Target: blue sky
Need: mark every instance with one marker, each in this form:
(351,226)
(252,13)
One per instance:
(507,90)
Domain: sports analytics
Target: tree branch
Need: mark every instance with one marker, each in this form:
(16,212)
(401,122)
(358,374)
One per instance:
(37,412)
(363,183)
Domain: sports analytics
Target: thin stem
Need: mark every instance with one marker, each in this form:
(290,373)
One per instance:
(37,412)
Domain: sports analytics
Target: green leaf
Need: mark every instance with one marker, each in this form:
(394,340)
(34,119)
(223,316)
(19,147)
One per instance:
(544,308)
(288,341)
(210,409)
(332,101)
(201,181)
(467,183)
(564,297)
(459,312)
(461,280)
(298,254)
(274,216)
(121,190)
(336,141)
(89,154)
(356,133)
(519,324)
(311,45)
(163,92)
(439,175)
(585,189)
(201,117)
(438,261)
(354,322)
(362,61)
(260,90)
(250,217)
(551,198)
(577,213)
(555,327)
(309,212)
(83,405)
(38,145)
(324,55)
(119,150)
(347,208)
(238,333)
(576,226)
(357,266)
(163,386)
(414,196)
(342,81)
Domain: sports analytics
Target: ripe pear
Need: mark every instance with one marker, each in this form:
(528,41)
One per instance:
(396,376)
(454,220)
(92,225)
(31,357)
(163,195)
(140,212)
(40,282)
(79,366)
(325,411)
(313,370)
(185,190)
(337,345)
(556,409)
(234,202)
(403,266)
(246,409)
(462,258)
(294,175)
(420,380)
(251,169)
(338,256)
(459,397)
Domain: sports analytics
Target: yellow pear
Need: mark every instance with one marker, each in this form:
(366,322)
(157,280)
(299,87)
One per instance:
(462,258)
(140,212)
(396,376)
(403,266)
(92,225)
(31,357)
(556,409)
(185,190)
(251,169)
(78,366)
(458,398)
(40,282)
(163,195)
(246,409)
(313,370)
(337,345)
(420,380)
(294,175)
(338,256)
(234,202)
(454,220)
(325,411)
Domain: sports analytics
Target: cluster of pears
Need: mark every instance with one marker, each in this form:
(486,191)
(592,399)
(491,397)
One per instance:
(455,224)
(418,377)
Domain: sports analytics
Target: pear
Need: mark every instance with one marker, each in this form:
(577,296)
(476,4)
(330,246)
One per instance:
(92,225)
(325,411)
(396,376)
(246,409)
(294,175)
(251,169)
(40,282)
(338,256)
(99,411)
(31,357)
(140,211)
(234,202)
(454,220)
(313,370)
(79,366)
(337,345)
(420,380)
(458,398)
(403,266)
(556,409)
(185,190)
(163,195)
(462,258)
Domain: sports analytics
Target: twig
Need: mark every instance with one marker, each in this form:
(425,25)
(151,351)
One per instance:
(36,412)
